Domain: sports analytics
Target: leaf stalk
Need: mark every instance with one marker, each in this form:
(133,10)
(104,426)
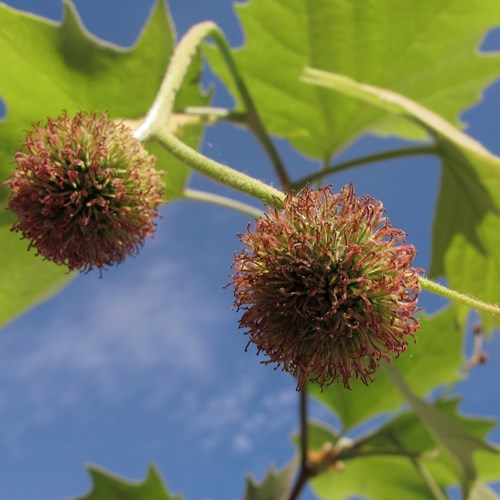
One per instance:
(162,107)
(462,298)
(365,160)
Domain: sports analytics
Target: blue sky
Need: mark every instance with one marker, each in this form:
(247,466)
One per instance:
(147,364)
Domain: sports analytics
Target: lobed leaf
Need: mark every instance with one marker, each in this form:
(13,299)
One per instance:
(466,240)
(106,486)
(276,485)
(424,50)
(402,457)
(454,437)
(48,67)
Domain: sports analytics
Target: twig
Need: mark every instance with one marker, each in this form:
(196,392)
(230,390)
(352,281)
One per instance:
(161,110)
(196,195)
(365,160)
(305,470)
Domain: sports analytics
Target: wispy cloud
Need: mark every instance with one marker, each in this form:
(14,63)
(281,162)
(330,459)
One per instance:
(144,335)
(125,328)
(239,415)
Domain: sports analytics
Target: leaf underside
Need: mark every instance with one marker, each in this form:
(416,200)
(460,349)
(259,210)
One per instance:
(466,239)
(49,67)
(106,486)
(426,51)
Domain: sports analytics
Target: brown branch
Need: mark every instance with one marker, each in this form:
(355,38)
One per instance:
(305,470)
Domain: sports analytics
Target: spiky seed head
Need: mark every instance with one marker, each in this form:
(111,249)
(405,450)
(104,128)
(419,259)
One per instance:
(84,190)
(327,286)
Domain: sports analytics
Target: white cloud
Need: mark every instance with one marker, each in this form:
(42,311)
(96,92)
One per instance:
(240,415)
(148,334)
(242,443)
(110,338)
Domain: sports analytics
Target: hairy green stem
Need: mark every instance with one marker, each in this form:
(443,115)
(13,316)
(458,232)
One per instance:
(258,189)
(155,127)
(161,109)
(364,160)
(196,195)
(467,300)
(217,171)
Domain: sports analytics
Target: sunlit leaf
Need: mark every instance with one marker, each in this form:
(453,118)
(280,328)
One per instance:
(106,486)
(48,67)
(454,437)
(373,478)
(466,239)
(402,454)
(276,485)
(408,431)
(424,50)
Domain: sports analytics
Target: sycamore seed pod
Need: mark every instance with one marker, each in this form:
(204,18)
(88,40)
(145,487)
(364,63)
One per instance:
(85,191)
(327,286)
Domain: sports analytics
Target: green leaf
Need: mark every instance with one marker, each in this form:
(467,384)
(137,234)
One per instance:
(433,360)
(25,280)
(408,432)
(481,491)
(450,433)
(373,478)
(400,457)
(424,50)
(488,466)
(277,485)
(319,434)
(48,67)
(466,240)
(106,486)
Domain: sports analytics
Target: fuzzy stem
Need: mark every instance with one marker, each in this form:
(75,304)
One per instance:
(364,160)
(467,300)
(162,107)
(217,171)
(249,185)
(154,126)
(194,194)
(160,111)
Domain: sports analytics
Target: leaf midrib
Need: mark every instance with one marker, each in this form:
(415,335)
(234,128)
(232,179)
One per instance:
(357,117)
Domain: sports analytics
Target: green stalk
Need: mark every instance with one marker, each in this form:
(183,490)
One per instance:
(159,113)
(155,127)
(217,171)
(462,298)
(194,194)
(258,189)
(365,160)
